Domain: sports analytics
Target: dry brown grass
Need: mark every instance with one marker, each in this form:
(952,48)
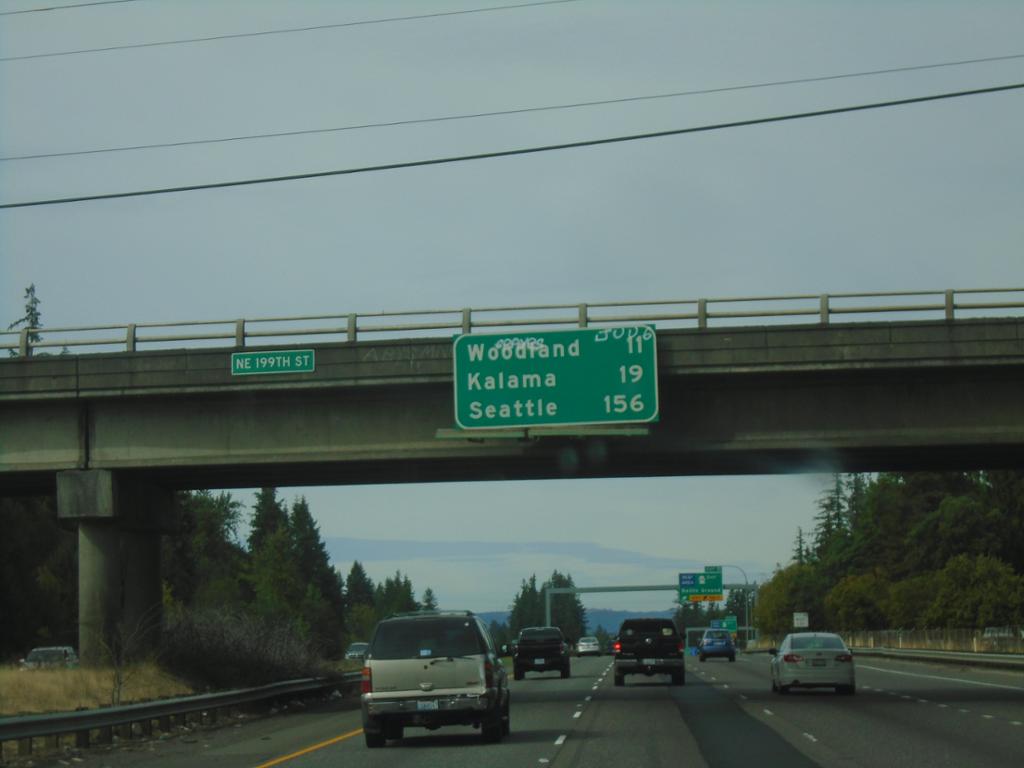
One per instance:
(39,691)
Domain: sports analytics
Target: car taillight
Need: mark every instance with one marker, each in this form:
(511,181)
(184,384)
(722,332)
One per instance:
(366,685)
(681,646)
(488,674)
(617,647)
(792,658)
(844,657)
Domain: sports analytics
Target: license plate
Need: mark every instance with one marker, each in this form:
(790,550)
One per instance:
(817,662)
(650,661)
(426,705)
(539,662)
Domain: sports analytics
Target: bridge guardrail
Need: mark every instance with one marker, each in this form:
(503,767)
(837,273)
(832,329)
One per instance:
(949,304)
(24,729)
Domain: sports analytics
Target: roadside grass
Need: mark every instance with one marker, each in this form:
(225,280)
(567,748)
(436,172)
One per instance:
(38,691)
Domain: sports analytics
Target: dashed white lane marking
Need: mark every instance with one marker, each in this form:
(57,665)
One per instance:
(963,711)
(808,736)
(922,701)
(989,717)
(560,740)
(768,712)
(943,706)
(588,698)
(1015,722)
(579,706)
(943,677)
(743,697)
(543,761)
(576,714)
(594,688)
(904,696)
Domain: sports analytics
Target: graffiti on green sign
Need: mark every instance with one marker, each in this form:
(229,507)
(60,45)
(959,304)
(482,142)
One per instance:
(585,376)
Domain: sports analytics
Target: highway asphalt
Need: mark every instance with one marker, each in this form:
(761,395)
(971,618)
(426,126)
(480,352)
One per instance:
(905,714)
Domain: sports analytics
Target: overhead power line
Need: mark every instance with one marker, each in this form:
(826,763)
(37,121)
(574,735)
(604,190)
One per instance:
(506,112)
(65,7)
(521,151)
(286,31)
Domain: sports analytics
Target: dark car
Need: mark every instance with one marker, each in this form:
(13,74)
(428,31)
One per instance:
(51,657)
(649,646)
(716,643)
(357,651)
(540,649)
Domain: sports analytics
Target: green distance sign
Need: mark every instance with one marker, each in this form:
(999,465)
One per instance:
(277,361)
(556,378)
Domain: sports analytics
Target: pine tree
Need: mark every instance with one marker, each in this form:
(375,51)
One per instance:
(324,602)
(268,517)
(429,600)
(359,589)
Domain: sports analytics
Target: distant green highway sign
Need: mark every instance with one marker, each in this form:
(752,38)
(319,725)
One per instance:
(276,361)
(556,378)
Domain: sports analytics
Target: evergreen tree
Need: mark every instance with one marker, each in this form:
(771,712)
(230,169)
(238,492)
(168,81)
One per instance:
(268,517)
(527,609)
(395,595)
(359,589)
(429,600)
(567,612)
(324,603)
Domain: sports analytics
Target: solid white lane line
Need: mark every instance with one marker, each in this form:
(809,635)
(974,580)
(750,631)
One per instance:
(943,677)
(560,740)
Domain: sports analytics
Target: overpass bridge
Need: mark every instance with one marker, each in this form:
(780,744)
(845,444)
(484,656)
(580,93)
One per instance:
(930,381)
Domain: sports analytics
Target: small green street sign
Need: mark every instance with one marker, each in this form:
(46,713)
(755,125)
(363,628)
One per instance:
(275,361)
(556,378)
(700,587)
(729,623)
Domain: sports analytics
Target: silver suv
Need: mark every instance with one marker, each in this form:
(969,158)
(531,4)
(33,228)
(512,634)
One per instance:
(429,669)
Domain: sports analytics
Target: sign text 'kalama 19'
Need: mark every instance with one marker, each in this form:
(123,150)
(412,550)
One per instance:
(556,378)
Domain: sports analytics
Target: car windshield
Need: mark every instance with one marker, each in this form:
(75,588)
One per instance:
(425,639)
(812,642)
(716,635)
(357,647)
(46,655)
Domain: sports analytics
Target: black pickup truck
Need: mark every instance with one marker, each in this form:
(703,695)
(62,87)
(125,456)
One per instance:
(540,649)
(649,647)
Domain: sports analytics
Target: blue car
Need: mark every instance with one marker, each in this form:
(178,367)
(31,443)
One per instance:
(716,643)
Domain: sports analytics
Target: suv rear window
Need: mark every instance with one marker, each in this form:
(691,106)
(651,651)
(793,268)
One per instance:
(540,634)
(662,627)
(426,639)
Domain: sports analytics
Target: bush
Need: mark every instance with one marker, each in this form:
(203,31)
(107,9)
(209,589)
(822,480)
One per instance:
(224,649)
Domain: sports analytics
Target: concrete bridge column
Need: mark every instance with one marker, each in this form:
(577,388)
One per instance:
(119,591)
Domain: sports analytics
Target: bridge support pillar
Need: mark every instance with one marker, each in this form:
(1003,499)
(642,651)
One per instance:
(120,600)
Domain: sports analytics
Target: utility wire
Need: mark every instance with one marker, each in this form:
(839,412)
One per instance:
(521,151)
(65,7)
(287,31)
(505,112)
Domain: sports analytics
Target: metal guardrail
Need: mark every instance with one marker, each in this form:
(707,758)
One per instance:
(950,304)
(24,729)
(962,658)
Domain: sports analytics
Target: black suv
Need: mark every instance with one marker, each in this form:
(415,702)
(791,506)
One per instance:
(539,649)
(433,668)
(649,647)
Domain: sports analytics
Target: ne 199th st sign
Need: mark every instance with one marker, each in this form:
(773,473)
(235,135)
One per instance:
(556,378)
(276,361)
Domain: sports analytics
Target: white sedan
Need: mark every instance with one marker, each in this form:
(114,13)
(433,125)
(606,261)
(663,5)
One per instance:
(812,660)
(588,645)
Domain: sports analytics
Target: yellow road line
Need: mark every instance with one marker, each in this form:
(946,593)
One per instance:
(314,748)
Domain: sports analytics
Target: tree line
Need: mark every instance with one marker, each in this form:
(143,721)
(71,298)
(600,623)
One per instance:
(906,551)
(279,575)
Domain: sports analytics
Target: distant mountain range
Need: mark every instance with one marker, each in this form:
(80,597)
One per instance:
(596,617)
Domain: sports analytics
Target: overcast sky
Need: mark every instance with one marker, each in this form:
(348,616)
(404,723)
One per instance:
(919,197)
